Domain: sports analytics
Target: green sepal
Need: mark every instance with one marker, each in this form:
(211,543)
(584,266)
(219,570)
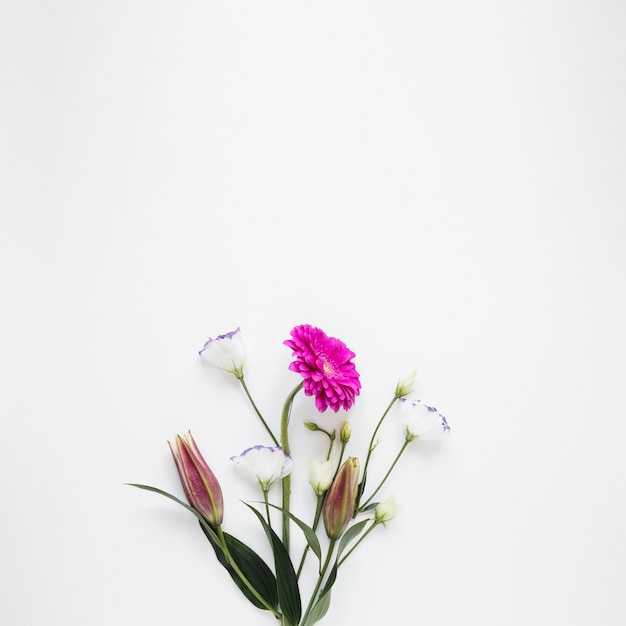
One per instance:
(252,566)
(349,535)
(309,533)
(286,579)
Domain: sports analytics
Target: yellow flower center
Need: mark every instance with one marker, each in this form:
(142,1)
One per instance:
(329,370)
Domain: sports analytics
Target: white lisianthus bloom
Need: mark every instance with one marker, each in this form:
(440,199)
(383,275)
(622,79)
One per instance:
(320,475)
(264,465)
(227,352)
(423,421)
(386,510)
(405,385)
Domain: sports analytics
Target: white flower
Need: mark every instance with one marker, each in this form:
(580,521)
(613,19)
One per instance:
(264,465)
(320,475)
(405,385)
(228,352)
(423,421)
(386,510)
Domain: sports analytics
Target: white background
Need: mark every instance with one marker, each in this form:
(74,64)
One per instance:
(440,185)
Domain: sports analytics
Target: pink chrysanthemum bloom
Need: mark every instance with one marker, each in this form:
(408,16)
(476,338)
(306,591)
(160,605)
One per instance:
(326,365)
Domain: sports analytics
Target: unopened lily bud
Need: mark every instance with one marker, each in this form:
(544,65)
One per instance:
(320,476)
(199,483)
(341,499)
(386,510)
(405,385)
(311,426)
(346,432)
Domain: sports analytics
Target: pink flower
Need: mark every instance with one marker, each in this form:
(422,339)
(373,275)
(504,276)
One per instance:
(326,365)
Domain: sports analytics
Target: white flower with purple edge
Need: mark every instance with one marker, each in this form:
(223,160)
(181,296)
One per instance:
(264,465)
(423,421)
(227,352)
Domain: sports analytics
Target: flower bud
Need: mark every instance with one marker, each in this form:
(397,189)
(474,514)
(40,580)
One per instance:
(386,510)
(346,431)
(405,385)
(311,426)
(320,475)
(199,483)
(341,499)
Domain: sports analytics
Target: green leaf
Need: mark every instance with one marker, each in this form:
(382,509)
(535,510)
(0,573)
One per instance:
(250,564)
(349,535)
(286,579)
(318,611)
(309,533)
(371,506)
(330,581)
(205,526)
(253,568)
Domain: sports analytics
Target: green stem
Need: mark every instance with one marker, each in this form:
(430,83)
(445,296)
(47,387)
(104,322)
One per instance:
(382,482)
(239,573)
(254,406)
(267,507)
(316,519)
(284,443)
(371,449)
(365,534)
(331,547)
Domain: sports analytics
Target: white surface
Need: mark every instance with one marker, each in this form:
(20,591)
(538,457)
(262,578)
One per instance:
(441,185)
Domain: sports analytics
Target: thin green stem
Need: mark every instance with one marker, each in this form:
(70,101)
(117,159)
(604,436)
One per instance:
(284,443)
(254,406)
(371,449)
(239,573)
(331,547)
(267,507)
(316,519)
(365,534)
(382,482)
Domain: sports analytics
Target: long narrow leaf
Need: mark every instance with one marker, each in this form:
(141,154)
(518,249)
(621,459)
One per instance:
(253,568)
(286,579)
(332,577)
(349,535)
(318,611)
(203,522)
(309,533)
(251,565)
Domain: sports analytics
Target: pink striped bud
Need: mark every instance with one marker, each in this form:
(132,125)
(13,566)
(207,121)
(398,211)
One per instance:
(199,483)
(341,499)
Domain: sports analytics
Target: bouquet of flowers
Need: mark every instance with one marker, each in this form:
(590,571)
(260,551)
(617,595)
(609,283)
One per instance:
(348,509)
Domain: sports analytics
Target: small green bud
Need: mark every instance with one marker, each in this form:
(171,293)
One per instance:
(311,426)
(346,432)
(405,385)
